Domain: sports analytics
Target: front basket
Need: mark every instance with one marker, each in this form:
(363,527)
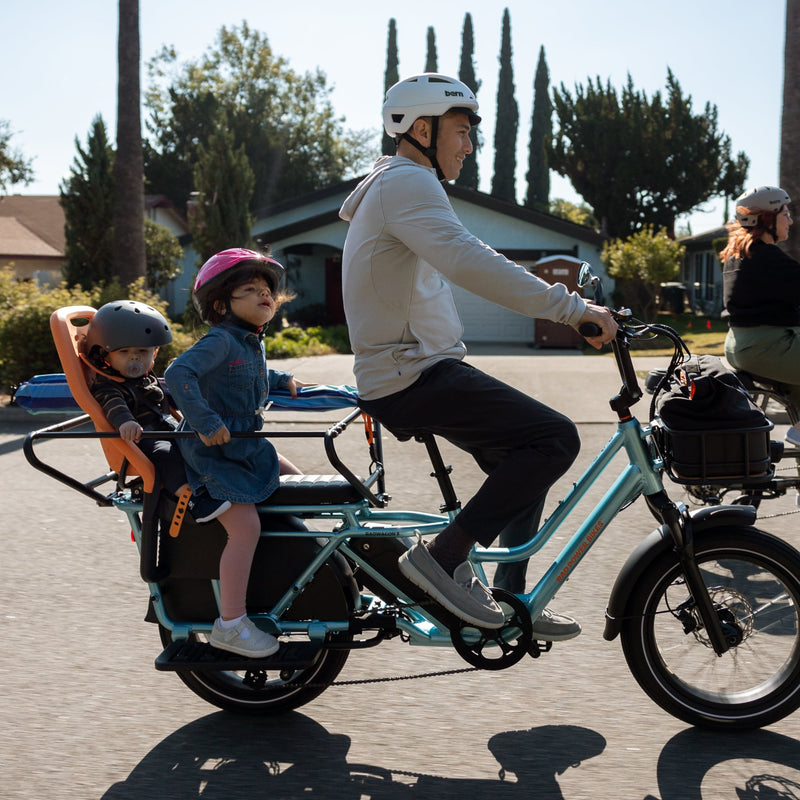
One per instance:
(715,456)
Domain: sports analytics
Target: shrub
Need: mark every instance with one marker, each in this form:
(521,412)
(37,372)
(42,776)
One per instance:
(27,349)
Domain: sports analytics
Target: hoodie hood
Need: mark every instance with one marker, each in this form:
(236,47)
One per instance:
(381,167)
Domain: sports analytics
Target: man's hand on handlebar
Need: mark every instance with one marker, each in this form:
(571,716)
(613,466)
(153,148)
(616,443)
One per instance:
(597,317)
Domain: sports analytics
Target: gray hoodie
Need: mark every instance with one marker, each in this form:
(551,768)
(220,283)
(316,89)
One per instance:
(404,236)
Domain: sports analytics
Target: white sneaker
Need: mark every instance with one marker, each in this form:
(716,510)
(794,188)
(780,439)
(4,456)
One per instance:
(244,639)
(792,437)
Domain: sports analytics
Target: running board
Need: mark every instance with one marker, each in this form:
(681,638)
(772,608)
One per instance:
(188,654)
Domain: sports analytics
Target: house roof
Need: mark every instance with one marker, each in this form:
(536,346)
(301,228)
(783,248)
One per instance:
(302,223)
(17,241)
(32,226)
(703,241)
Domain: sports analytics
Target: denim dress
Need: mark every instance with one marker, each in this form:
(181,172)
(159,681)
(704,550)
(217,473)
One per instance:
(223,380)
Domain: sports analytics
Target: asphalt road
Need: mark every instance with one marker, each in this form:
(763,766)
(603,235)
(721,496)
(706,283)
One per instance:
(83,713)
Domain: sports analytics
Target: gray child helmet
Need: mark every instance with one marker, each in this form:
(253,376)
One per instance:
(127,323)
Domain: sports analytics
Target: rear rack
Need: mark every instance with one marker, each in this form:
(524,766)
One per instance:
(372,489)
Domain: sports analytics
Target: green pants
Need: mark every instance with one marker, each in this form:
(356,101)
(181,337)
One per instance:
(771,352)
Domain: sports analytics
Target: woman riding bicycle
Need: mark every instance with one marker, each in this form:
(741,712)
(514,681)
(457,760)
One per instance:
(761,292)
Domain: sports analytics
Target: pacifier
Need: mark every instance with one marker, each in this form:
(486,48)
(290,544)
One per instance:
(134,369)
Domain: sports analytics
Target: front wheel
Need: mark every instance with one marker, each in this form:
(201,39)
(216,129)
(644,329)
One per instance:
(753,579)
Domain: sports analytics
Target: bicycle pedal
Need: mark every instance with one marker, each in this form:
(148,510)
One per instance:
(536,648)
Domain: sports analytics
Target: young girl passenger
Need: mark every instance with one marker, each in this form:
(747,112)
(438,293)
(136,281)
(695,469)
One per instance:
(220,385)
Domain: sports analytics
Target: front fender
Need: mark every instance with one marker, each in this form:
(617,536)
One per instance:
(657,542)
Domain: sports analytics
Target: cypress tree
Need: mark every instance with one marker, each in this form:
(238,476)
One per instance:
(431,59)
(505,132)
(390,78)
(538,176)
(468,178)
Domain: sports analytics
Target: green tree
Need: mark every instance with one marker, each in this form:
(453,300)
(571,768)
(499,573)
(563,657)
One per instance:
(293,139)
(431,58)
(390,78)
(639,161)
(579,213)
(14,167)
(538,175)
(790,118)
(163,254)
(641,263)
(224,179)
(504,182)
(87,197)
(469,177)
(128,241)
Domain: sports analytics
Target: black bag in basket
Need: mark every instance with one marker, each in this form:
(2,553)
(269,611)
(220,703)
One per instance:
(707,426)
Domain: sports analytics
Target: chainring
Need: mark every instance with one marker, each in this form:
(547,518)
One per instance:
(496,648)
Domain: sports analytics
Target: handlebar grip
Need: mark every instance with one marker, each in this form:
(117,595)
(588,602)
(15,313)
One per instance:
(589,329)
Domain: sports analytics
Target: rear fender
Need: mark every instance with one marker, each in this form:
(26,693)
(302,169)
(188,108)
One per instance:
(654,545)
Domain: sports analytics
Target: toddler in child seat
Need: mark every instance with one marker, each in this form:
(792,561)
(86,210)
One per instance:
(122,342)
(220,386)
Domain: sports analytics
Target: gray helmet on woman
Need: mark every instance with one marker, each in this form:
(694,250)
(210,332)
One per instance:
(427,95)
(754,202)
(127,323)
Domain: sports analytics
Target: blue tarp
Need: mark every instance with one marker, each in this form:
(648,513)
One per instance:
(50,394)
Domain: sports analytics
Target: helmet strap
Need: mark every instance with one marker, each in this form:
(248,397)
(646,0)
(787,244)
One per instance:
(429,152)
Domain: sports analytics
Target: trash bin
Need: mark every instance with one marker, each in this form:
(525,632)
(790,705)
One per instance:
(673,297)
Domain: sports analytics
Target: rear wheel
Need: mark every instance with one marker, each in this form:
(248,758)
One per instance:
(753,580)
(260,691)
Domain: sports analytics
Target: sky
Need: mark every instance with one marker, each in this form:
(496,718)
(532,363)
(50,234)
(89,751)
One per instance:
(58,63)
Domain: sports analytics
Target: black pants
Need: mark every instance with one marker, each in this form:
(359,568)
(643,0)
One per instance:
(167,459)
(522,445)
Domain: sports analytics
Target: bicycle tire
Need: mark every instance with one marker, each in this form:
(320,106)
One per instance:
(259,692)
(754,580)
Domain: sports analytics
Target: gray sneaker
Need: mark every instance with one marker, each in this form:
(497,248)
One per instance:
(552,627)
(244,639)
(463,594)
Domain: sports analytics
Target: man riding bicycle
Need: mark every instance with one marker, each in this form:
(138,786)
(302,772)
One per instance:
(404,245)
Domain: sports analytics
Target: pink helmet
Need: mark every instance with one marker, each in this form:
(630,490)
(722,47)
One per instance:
(219,267)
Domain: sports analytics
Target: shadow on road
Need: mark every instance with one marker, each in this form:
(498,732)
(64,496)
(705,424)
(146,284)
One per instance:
(293,756)
(227,756)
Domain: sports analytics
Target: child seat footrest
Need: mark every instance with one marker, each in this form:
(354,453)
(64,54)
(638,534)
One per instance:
(188,654)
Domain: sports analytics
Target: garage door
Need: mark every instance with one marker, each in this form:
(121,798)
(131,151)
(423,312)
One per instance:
(488,322)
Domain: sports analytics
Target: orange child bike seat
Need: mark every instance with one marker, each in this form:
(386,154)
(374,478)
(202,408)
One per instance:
(68,326)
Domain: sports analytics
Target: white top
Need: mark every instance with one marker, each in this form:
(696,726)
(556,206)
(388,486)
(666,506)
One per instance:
(404,236)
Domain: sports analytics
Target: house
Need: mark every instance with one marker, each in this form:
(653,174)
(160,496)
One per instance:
(307,236)
(32,234)
(701,271)
(32,237)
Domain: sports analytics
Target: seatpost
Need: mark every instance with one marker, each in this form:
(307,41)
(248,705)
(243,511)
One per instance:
(441,473)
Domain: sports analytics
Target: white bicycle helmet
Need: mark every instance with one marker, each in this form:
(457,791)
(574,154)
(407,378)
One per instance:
(427,95)
(754,202)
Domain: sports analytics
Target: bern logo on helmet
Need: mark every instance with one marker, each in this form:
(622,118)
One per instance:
(453,94)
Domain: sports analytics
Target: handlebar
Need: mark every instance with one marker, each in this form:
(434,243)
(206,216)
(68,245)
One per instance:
(589,329)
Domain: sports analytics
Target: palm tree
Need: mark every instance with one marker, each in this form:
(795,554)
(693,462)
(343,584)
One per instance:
(129,251)
(790,120)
